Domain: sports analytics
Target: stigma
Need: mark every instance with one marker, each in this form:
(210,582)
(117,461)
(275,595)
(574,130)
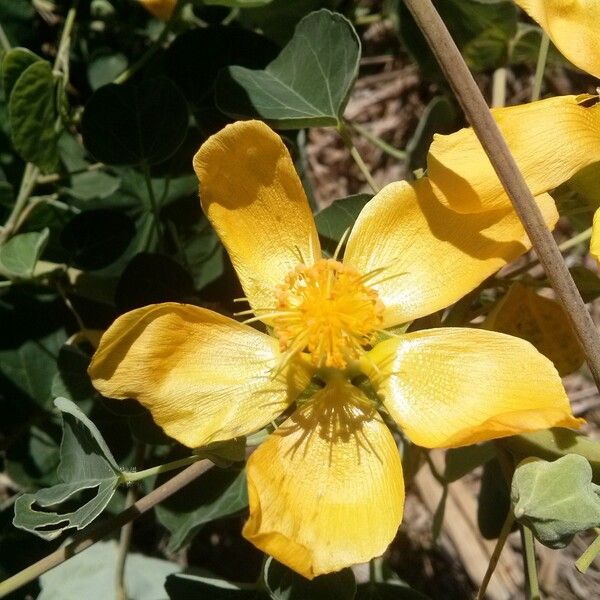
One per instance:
(326,310)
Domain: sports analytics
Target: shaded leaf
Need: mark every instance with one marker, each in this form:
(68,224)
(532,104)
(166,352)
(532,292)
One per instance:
(587,282)
(20,254)
(306,85)
(214,48)
(493,501)
(333,221)
(388,590)
(91,575)
(216,494)
(32,367)
(460,461)
(96,238)
(131,124)
(556,499)
(33,116)
(182,586)
(150,279)
(482,30)
(543,322)
(284,584)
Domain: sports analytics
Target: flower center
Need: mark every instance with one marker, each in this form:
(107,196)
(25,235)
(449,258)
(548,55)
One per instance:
(326,310)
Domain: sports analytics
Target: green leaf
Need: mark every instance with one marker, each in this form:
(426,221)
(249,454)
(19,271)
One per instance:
(72,381)
(86,463)
(284,584)
(16,17)
(33,116)
(439,116)
(389,590)
(551,444)
(20,254)
(216,494)
(105,68)
(131,124)
(278,19)
(307,85)
(14,63)
(32,366)
(91,575)
(556,499)
(183,586)
(333,221)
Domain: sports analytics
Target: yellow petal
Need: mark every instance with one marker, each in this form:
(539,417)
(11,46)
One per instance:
(204,377)
(430,255)
(595,241)
(161,9)
(456,386)
(255,201)
(573,27)
(542,321)
(551,140)
(326,489)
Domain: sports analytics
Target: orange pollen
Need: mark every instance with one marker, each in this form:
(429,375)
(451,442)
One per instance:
(327,310)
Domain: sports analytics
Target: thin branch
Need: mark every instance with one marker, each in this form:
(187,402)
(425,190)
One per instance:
(87,538)
(540,67)
(354,153)
(477,112)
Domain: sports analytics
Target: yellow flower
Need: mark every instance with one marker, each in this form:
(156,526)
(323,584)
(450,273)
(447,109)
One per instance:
(573,27)
(326,488)
(161,9)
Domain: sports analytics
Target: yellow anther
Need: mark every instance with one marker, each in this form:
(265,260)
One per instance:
(328,311)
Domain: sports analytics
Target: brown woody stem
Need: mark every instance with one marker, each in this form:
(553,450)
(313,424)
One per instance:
(478,114)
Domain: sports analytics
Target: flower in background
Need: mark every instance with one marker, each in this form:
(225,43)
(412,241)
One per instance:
(572,25)
(161,9)
(326,488)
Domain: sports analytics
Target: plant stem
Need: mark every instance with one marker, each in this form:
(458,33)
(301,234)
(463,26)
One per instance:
(540,67)
(123,550)
(532,577)
(153,201)
(95,533)
(154,47)
(176,464)
(586,559)
(378,142)
(28,181)
(508,523)
(61,61)
(495,146)
(360,163)
(499,87)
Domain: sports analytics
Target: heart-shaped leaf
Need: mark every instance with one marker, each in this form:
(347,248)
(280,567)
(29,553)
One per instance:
(556,499)
(307,85)
(33,116)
